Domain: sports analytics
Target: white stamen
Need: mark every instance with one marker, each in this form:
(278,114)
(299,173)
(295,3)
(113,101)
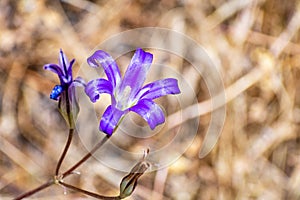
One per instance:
(123,98)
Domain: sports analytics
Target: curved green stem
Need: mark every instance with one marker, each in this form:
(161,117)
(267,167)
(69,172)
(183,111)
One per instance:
(89,193)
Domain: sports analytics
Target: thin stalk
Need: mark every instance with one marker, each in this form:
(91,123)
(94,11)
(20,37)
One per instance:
(87,156)
(31,192)
(63,155)
(89,193)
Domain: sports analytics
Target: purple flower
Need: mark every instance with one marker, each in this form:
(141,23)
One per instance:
(127,94)
(65,92)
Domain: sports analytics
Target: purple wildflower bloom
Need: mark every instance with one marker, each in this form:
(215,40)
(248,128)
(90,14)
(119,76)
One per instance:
(65,92)
(127,94)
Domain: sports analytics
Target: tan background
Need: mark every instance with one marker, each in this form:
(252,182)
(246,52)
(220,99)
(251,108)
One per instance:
(255,44)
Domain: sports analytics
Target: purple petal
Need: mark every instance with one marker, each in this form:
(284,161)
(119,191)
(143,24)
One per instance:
(150,111)
(109,65)
(63,62)
(136,72)
(69,72)
(110,119)
(96,87)
(54,68)
(159,88)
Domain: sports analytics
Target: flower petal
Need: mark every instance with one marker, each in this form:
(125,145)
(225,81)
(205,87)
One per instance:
(159,88)
(109,65)
(54,68)
(69,72)
(63,62)
(96,87)
(110,119)
(136,72)
(150,111)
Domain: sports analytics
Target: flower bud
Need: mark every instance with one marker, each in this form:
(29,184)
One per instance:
(129,182)
(68,106)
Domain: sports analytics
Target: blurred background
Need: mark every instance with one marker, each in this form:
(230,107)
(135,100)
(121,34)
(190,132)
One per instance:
(253,43)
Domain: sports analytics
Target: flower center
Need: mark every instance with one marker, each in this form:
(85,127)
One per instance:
(123,101)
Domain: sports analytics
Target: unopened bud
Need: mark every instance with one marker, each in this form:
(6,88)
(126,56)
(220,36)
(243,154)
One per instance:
(129,182)
(68,106)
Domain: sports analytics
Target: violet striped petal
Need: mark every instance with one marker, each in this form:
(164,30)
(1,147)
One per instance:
(63,62)
(136,72)
(67,78)
(109,65)
(54,68)
(70,68)
(110,119)
(159,88)
(96,87)
(150,112)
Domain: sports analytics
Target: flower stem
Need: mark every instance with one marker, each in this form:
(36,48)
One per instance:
(31,192)
(89,193)
(87,156)
(71,131)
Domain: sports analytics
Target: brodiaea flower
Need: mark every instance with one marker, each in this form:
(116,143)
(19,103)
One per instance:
(65,92)
(127,94)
